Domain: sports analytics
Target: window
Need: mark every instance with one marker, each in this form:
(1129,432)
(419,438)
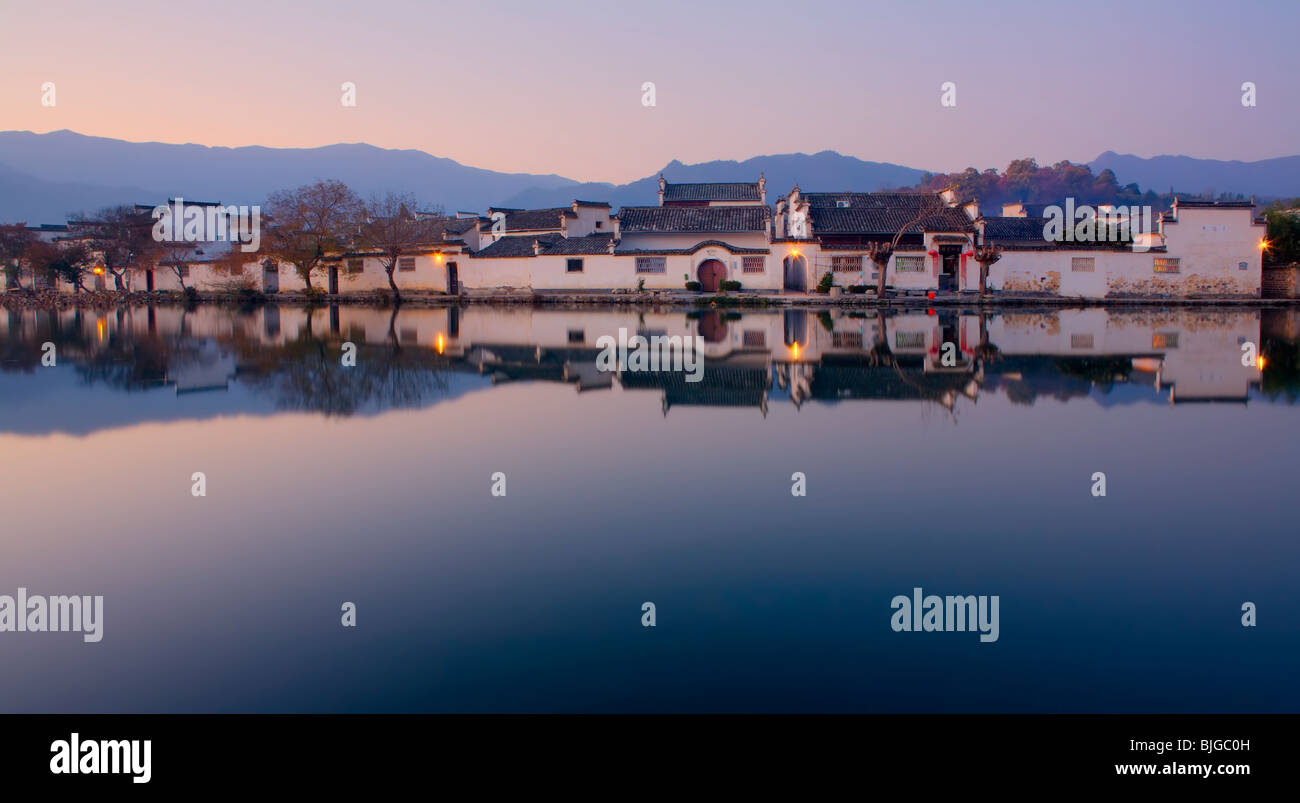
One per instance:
(356,266)
(573,266)
(846,264)
(1083,264)
(1241,266)
(598,224)
(1080,341)
(577,336)
(184,271)
(408,336)
(754,264)
(842,204)
(406,264)
(909,340)
(646,265)
(755,339)
(1164,340)
(847,340)
(909,264)
(1166,265)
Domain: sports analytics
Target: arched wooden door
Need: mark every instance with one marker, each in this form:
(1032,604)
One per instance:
(711,273)
(796,273)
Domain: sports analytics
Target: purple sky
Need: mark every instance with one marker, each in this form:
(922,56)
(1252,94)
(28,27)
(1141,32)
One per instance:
(556,86)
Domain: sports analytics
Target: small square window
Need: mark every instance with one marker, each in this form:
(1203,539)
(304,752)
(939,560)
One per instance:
(1241,266)
(1164,340)
(651,264)
(1165,265)
(577,336)
(573,266)
(406,264)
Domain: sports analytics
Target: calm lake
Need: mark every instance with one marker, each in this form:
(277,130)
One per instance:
(943,450)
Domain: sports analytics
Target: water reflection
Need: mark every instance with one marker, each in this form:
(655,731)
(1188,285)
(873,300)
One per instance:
(960,468)
(292,356)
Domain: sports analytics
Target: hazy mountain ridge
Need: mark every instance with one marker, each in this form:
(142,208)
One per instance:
(45,177)
(243,175)
(1267,178)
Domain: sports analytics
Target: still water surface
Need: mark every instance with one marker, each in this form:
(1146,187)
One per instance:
(371,484)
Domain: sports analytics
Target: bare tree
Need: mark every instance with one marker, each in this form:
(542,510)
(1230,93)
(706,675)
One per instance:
(394,230)
(15,244)
(123,236)
(71,262)
(931,204)
(178,256)
(306,223)
(986,255)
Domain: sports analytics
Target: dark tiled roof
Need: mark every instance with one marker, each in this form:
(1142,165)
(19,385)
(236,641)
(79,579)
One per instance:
(592,203)
(448,228)
(884,220)
(552,245)
(1214,204)
(712,192)
(682,251)
(1021,233)
(532,219)
(1014,229)
(638,219)
(518,246)
(868,200)
(593,244)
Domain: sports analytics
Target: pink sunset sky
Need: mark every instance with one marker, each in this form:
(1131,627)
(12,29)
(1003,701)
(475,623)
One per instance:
(555,87)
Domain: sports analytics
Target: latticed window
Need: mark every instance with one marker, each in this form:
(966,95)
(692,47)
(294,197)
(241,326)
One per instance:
(1083,264)
(651,264)
(1080,341)
(846,264)
(1164,340)
(356,266)
(909,264)
(406,263)
(909,340)
(847,340)
(753,264)
(1166,264)
(755,339)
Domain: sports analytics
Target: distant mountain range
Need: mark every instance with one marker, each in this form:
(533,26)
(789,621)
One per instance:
(44,178)
(1267,178)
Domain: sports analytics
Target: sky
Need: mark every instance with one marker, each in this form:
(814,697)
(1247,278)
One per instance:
(556,87)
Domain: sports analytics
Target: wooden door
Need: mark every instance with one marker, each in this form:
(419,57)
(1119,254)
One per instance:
(711,273)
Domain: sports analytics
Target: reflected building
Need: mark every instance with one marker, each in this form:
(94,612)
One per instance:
(751,360)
